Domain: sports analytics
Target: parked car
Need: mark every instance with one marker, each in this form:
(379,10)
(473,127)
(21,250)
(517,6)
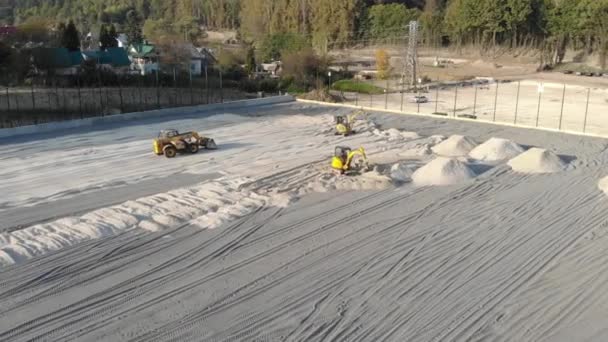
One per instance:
(419,99)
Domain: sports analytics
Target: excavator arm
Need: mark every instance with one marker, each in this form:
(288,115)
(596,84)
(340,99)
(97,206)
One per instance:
(351,156)
(352,117)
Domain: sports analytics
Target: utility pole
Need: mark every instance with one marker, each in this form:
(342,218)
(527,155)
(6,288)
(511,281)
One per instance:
(411,60)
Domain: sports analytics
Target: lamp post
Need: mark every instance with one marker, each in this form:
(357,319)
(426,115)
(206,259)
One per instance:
(329,81)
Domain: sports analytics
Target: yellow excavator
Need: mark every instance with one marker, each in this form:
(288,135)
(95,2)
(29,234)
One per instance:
(344,123)
(346,160)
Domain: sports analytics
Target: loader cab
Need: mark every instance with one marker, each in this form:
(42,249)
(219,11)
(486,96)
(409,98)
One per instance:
(168,133)
(341,119)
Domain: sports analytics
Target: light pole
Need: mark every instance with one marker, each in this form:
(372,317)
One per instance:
(329,82)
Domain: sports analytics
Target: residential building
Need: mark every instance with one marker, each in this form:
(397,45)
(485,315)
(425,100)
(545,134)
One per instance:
(144,59)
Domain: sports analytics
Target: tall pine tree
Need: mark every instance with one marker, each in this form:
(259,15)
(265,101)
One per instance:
(70,38)
(133,28)
(114,35)
(104,38)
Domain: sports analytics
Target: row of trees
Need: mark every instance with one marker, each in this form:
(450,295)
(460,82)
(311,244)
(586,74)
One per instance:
(276,25)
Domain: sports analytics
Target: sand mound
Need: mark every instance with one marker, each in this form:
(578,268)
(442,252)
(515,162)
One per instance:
(537,160)
(455,146)
(496,149)
(394,134)
(372,180)
(603,185)
(443,171)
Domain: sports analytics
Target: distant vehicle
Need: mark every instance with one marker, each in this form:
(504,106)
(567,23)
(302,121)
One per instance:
(419,99)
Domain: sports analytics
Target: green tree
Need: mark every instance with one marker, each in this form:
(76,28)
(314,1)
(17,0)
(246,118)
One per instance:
(6,54)
(250,65)
(70,38)
(104,38)
(272,47)
(133,28)
(113,34)
(390,20)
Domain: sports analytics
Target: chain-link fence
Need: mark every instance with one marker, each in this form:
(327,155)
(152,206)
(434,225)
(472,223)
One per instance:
(526,103)
(48,99)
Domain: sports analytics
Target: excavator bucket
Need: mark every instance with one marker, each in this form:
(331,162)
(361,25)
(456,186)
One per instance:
(359,161)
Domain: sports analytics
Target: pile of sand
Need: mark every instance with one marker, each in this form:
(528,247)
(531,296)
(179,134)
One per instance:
(537,160)
(455,146)
(327,182)
(496,149)
(603,185)
(396,135)
(443,171)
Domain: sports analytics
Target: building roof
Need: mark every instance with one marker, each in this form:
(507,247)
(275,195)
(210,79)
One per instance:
(142,50)
(116,57)
(57,57)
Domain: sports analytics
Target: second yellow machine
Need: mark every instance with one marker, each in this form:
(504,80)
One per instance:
(169,142)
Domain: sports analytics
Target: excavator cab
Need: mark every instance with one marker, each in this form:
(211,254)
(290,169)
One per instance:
(343,125)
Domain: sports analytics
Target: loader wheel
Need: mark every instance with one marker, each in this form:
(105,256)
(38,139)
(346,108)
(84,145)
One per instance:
(170,152)
(193,148)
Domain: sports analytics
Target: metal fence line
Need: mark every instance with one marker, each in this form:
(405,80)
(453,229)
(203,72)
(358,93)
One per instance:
(555,106)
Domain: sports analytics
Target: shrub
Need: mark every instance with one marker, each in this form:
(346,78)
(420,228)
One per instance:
(357,87)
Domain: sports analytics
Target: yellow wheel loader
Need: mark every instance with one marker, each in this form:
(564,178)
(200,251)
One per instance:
(169,142)
(347,161)
(344,123)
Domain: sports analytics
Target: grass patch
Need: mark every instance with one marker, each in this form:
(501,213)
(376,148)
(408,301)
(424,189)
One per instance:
(357,87)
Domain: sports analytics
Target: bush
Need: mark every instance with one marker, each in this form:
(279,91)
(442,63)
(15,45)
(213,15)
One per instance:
(269,86)
(383,64)
(304,67)
(357,87)
(248,86)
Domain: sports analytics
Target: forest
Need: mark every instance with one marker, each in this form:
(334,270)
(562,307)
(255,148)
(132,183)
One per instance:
(553,26)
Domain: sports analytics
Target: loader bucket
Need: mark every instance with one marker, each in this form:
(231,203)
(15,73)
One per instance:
(210,144)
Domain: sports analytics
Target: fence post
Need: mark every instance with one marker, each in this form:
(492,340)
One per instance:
(586,110)
(80,99)
(386,94)
(8,100)
(221,87)
(437,96)
(100,91)
(49,98)
(122,109)
(65,102)
(540,96)
(190,79)
(357,91)
(455,98)
(561,114)
(206,85)
(17,101)
(402,93)
(495,101)
(57,94)
(475,100)
(157,89)
(33,97)
(517,102)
